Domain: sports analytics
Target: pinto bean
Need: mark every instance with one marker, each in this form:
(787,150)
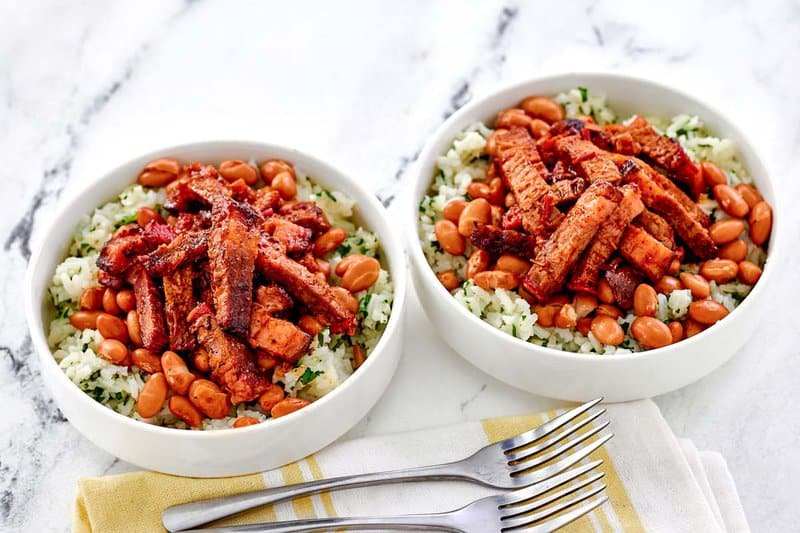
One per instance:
(285,184)
(707,312)
(697,284)
(362,274)
(110,302)
(513,117)
(712,174)
(546,314)
(146,215)
(272,167)
(209,399)
(726,230)
(719,270)
(542,108)
(645,300)
(749,273)
(735,251)
(448,279)
(604,292)
(344,264)
(667,284)
(184,409)
(584,325)
(159,173)
(112,350)
(651,332)
(478,189)
(692,328)
(749,194)
(584,303)
(566,317)
(152,396)
(730,201)
(477,262)
(495,279)
(310,325)
(287,406)
(608,310)
(674,267)
(126,300)
(84,319)
(449,238)
(271,397)
(359,356)
(607,330)
(244,421)
(329,241)
(200,360)
(676,329)
(476,212)
(111,327)
(491,142)
(132,321)
(452,210)
(92,299)
(513,264)
(236,169)
(177,373)
(146,360)
(760,220)
(496,192)
(539,128)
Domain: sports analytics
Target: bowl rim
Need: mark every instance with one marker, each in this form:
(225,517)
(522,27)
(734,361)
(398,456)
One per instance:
(475,106)
(390,244)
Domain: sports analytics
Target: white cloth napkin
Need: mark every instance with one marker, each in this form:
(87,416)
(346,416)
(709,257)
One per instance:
(655,482)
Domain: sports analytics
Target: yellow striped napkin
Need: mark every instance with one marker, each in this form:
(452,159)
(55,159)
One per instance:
(655,482)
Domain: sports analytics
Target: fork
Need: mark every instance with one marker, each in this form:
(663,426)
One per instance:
(508,464)
(501,512)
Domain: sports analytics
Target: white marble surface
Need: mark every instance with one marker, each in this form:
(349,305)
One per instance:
(86,85)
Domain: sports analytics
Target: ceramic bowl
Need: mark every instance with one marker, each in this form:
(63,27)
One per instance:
(569,376)
(227,452)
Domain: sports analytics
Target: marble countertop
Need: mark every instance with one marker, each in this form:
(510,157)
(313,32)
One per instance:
(85,86)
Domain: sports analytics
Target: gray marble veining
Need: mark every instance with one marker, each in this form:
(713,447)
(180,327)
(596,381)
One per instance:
(363,84)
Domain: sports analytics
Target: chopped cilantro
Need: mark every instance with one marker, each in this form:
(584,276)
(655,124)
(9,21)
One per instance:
(310,375)
(126,220)
(364,303)
(344,249)
(320,337)
(584,94)
(514,329)
(85,247)
(328,193)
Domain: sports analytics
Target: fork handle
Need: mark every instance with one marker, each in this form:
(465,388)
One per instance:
(436,522)
(189,515)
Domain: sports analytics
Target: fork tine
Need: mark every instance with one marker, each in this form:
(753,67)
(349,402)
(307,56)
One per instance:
(515,456)
(531,491)
(548,427)
(516,510)
(526,461)
(567,518)
(535,517)
(540,474)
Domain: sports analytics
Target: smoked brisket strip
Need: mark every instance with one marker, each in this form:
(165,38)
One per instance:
(277,337)
(688,229)
(587,159)
(555,259)
(567,190)
(182,250)
(233,246)
(643,251)
(522,169)
(232,362)
(657,227)
(305,286)
(178,302)
(149,308)
(587,271)
(668,154)
(498,241)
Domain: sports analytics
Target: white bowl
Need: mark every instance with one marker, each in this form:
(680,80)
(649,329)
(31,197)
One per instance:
(226,452)
(570,376)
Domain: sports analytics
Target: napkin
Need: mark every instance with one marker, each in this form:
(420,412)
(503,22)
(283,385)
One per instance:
(655,482)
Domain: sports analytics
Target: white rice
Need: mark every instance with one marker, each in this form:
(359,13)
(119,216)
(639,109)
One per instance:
(466,161)
(327,364)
